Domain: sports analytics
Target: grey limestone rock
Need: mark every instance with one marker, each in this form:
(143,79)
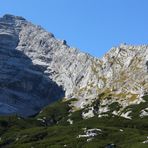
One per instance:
(36,69)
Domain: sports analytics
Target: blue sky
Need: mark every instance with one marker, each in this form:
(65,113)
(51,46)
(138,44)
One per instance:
(93,26)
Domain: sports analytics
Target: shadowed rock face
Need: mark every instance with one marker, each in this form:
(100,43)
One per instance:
(24,88)
(8,33)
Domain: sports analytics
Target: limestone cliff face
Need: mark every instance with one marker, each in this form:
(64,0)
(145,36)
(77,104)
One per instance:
(126,70)
(122,74)
(24,88)
(36,69)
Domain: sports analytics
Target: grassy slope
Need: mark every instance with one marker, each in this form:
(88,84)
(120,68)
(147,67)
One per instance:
(56,132)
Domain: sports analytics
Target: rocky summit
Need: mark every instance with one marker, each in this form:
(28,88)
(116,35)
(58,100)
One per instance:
(37,69)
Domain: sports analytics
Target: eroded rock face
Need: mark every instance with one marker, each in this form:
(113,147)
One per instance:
(24,88)
(36,69)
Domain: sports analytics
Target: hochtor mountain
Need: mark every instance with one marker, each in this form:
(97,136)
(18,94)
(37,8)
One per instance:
(37,69)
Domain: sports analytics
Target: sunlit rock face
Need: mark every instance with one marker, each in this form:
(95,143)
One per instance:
(37,69)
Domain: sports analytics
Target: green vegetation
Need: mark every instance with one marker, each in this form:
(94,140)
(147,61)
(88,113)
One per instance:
(50,129)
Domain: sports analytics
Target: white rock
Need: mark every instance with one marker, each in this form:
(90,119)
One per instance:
(88,114)
(121,130)
(70,121)
(126,115)
(144,112)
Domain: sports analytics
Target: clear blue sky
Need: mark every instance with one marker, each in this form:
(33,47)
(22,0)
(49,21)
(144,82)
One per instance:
(93,26)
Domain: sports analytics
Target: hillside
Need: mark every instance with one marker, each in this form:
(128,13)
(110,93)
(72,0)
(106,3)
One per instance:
(53,95)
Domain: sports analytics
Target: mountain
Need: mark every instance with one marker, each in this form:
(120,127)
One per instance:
(37,69)
(53,95)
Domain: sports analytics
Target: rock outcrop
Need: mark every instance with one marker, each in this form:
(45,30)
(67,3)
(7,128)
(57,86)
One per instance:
(37,69)
(24,88)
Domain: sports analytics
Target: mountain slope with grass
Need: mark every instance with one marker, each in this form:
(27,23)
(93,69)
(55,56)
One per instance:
(56,126)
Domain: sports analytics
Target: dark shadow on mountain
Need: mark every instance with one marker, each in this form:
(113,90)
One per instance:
(24,88)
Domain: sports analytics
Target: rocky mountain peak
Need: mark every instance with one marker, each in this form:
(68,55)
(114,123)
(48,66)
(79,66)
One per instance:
(9,17)
(37,68)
